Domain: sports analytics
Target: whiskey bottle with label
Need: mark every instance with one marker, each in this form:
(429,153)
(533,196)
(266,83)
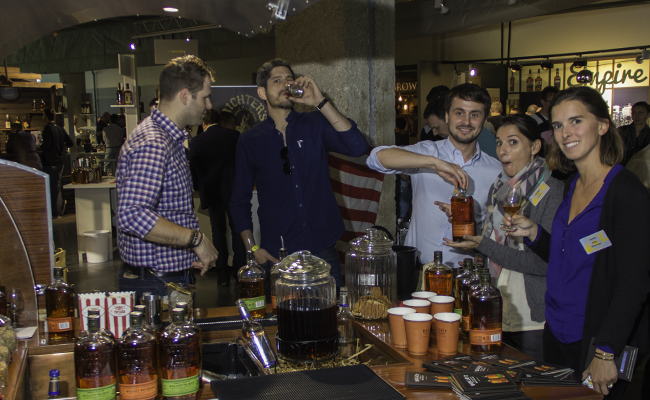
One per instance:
(437,276)
(462,215)
(251,286)
(94,364)
(8,122)
(462,278)
(557,81)
(485,317)
(472,282)
(529,81)
(59,303)
(253,333)
(137,362)
(180,359)
(128,96)
(345,319)
(538,82)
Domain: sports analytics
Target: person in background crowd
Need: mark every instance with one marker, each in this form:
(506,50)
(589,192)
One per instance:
(436,127)
(495,115)
(285,158)
(227,120)
(519,273)
(514,111)
(636,135)
(532,109)
(598,277)
(102,123)
(401,135)
(55,142)
(152,104)
(212,162)
(114,138)
(159,236)
(541,117)
(436,168)
(23,145)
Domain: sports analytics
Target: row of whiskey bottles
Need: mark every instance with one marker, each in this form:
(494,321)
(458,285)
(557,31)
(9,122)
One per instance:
(142,363)
(479,303)
(86,171)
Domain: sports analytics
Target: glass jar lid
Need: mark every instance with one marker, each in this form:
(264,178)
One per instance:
(303,266)
(374,241)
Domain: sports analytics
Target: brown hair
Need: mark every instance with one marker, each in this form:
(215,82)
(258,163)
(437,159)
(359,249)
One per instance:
(612,149)
(264,73)
(183,72)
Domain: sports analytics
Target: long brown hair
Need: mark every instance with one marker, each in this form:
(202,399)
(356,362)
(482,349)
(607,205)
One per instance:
(612,149)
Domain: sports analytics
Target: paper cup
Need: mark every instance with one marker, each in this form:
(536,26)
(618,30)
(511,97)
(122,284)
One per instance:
(420,306)
(397,329)
(440,304)
(423,295)
(447,324)
(418,331)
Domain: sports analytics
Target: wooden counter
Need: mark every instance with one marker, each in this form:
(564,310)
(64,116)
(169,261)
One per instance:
(377,333)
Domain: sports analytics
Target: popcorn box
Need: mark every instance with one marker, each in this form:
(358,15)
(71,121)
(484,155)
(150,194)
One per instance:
(92,301)
(118,306)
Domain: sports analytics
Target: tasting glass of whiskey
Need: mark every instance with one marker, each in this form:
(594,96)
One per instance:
(511,204)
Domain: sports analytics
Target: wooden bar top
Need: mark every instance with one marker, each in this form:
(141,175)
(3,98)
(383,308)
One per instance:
(377,333)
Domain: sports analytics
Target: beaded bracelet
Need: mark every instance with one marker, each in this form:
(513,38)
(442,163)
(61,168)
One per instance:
(193,235)
(201,237)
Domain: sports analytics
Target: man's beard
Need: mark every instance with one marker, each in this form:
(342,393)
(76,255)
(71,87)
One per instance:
(280,102)
(462,140)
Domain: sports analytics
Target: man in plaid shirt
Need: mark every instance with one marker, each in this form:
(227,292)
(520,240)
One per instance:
(158,230)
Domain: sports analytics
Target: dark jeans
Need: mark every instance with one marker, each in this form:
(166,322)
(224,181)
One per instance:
(218,223)
(150,283)
(528,342)
(55,174)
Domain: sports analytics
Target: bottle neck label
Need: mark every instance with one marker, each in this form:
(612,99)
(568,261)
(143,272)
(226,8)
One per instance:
(255,303)
(100,393)
(180,387)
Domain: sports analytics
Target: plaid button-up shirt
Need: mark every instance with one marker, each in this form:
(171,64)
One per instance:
(154,181)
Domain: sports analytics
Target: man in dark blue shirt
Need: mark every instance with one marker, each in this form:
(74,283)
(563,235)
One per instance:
(285,159)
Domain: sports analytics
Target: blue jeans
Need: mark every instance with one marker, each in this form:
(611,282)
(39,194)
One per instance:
(150,283)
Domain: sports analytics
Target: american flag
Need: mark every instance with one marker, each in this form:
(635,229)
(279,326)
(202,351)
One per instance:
(357,189)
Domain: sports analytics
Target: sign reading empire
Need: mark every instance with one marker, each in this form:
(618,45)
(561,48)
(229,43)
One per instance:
(619,75)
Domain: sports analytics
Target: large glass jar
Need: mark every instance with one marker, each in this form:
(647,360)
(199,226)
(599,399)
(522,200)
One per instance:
(306,301)
(371,275)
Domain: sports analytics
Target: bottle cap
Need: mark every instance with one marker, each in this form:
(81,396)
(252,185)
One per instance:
(93,311)
(54,373)
(136,318)
(93,323)
(178,315)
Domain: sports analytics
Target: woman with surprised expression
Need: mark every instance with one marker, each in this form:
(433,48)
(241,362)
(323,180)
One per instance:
(519,273)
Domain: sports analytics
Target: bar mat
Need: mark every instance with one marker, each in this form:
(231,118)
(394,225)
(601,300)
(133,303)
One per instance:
(340,383)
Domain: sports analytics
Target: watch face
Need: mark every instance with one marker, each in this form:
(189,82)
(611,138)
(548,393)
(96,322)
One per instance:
(9,93)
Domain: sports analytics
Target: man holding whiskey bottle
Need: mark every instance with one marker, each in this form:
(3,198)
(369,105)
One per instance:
(436,167)
(159,238)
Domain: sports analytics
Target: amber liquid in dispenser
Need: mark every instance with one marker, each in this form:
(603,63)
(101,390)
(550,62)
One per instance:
(304,324)
(462,215)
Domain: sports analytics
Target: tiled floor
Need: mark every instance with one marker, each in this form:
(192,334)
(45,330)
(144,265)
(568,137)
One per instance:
(88,277)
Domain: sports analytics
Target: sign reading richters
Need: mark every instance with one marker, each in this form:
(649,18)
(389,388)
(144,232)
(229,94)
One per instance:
(167,49)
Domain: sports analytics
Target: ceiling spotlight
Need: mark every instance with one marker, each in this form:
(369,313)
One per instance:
(585,76)
(645,54)
(515,67)
(580,62)
(132,46)
(472,72)
(170,9)
(546,65)
(639,59)
(188,37)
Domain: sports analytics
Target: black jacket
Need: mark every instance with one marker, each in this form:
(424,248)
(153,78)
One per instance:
(212,162)
(617,310)
(55,140)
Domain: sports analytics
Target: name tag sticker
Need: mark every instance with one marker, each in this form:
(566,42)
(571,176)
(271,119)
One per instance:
(595,242)
(537,196)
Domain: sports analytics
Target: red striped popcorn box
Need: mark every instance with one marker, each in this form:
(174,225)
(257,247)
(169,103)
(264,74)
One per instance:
(92,301)
(118,307)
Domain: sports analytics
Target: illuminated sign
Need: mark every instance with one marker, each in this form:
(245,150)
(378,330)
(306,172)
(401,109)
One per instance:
(607,74)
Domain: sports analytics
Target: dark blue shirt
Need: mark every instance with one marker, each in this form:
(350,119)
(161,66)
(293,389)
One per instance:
(569,265)
(300,207)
